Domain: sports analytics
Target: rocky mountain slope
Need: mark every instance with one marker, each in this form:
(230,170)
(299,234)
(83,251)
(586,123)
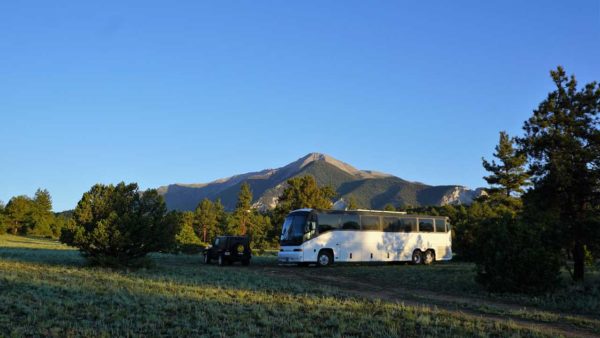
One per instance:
(370,189)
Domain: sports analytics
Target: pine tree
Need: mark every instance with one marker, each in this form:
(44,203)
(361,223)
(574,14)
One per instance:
(389,207)
(562,140)
(352,204)
(187,239)
(3,224)
(41,214)
(224,219)
(508,176)
(302,192)
(19,214)
(206,220)
(242,208)
(120,225)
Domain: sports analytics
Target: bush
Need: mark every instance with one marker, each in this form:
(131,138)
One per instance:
(515,257)
(466,225)
(186,240)
(119,225)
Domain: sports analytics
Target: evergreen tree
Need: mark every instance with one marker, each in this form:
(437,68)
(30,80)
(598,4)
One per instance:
(119,225)
(41,214)
(242,209)
(19,214)
(207,220)
(187,240)
(225,224)
(43,201)
(562,140)
(260,226)
(301,192)
(509,175)
(2,219)
(352,204)
(389,207)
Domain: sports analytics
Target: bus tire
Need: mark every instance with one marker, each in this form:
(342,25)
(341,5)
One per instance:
(417,257)
(221,260)
(325,258)
(206,259)
(428,257)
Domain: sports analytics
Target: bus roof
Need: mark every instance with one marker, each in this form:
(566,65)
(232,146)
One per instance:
(367,212)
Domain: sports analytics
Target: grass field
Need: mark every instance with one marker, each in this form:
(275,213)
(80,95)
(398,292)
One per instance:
(47,290)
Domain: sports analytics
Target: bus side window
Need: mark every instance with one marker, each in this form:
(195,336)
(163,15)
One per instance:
(440,225)
(370,223)
(425,225)
(409,224)
(350,222)
(391,224)
(328,222)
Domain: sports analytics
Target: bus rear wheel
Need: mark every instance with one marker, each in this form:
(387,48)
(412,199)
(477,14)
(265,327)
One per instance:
(417,257)
(324,259)
(428,257)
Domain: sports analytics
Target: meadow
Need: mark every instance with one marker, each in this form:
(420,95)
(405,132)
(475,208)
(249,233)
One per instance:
(46,289)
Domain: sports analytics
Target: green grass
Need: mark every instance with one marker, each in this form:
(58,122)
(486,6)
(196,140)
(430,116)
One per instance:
(47,290)
(458,278)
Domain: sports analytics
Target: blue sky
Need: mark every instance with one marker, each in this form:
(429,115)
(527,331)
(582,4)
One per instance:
(158,92)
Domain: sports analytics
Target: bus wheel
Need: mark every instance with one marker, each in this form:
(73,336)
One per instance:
(221,260)
(324,258)
(417,257)
(206,259)
(428,257)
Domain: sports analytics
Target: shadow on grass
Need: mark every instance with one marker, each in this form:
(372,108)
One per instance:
(42,256)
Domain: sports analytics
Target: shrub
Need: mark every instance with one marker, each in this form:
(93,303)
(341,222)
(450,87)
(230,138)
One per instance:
(515,257)
(119,225)
(186,240)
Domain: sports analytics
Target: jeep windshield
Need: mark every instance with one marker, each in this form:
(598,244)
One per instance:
(294,228)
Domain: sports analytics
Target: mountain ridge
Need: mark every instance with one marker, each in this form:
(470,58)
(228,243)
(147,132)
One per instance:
(371,189)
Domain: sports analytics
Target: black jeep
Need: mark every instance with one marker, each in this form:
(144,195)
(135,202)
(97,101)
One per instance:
(229,249)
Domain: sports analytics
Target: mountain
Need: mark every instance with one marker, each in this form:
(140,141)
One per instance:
(370,189)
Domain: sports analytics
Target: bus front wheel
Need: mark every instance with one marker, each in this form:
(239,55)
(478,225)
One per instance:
(417,257)
(324,259)
(428,257)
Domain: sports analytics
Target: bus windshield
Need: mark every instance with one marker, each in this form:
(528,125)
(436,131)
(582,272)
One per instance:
(293,229)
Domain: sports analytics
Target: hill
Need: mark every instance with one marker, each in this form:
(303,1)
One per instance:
(370,189)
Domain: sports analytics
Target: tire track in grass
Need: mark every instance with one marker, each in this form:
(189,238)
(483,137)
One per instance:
(469,307)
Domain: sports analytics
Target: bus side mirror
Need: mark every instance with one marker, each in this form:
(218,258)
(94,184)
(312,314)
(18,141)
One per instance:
(313,226)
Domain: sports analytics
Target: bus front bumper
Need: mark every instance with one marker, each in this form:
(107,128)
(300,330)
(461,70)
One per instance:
(290,257)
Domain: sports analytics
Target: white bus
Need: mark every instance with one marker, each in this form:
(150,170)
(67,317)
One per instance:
(327,236)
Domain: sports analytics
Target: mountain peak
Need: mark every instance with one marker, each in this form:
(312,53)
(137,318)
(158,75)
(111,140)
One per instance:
(316,157)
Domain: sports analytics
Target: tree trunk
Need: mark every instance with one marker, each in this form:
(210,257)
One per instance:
(579,260)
